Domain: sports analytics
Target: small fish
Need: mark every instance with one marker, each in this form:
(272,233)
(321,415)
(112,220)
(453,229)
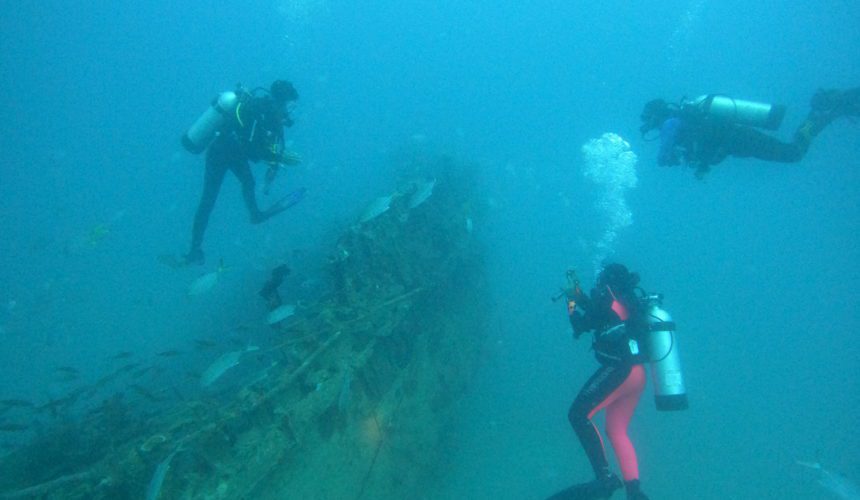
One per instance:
(68,377)
(123,355)
(97,234)
(13,427)
(378,207)
(146,393)
(141,371)
(103,380)
(153,490)
(126,368)
(345,394)
(172,261)
(280,313)
(834,482)
(204,343)
(169,353)
(422,192)
(222,364)
(67,370)
(206,282)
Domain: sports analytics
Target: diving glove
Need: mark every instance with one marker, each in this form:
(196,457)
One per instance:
(289,158)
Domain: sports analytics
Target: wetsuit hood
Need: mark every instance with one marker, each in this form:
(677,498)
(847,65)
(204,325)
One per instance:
(618,278)
(655,112)
(283,92)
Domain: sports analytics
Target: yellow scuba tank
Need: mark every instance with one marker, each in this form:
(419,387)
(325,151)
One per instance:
(201,133)
(755,114)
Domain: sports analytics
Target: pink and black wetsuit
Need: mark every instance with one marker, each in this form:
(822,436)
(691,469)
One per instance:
(618,322)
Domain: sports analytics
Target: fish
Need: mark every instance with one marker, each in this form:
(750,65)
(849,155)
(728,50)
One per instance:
(141,372)
(146,393)
(68,370)
(206,282)
(422,192)
(280,313)
(125,368)
(169,353)
(378,207)
(222,364)
(172,261)
(345,394)
(153,490)
(834,482)
(203,344)
(68,377)
(97,234)
(123,355)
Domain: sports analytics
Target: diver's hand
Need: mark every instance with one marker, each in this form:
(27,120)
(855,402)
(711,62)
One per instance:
(289,158)
(574,293)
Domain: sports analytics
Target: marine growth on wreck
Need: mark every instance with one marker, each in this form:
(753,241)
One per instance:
(354,399)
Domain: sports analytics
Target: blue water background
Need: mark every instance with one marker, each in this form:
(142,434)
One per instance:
(758,261)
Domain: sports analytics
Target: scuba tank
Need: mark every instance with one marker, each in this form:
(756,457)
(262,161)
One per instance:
(201,133)
(755,114)
(662,343)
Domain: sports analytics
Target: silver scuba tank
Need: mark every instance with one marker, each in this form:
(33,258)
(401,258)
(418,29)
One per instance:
(755,114)
(669,391)
(201,133)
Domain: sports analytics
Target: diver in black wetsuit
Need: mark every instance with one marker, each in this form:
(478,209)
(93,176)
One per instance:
(692,134)
(254,132)
(619,322)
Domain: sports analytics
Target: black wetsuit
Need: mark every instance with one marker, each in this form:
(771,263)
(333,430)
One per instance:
(617,383)
(255,132)
(701,142)
(691,136)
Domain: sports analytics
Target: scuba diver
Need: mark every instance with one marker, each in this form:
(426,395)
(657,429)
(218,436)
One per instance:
(702,132)
(619,321)
(241,126)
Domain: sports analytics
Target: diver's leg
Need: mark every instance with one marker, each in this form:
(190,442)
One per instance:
(595,395)
(212,179)
(826,106)
(746,142)
(242,171)
(618,415)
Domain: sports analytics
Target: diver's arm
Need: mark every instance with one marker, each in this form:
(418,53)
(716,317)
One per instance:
(669,135)
(580,320)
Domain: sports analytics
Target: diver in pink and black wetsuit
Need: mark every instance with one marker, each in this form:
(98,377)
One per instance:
(619,324)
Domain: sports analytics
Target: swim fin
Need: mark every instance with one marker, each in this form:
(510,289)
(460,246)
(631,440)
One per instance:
(594,490)
(292,198)
(283,204)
